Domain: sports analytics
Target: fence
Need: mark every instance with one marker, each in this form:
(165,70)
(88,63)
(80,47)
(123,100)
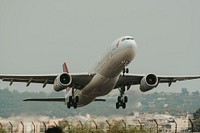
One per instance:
(92,125)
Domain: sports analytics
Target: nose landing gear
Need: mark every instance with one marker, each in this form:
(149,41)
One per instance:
(125,70)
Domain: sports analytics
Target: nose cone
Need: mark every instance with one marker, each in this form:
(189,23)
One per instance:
(132,44)
(128,42)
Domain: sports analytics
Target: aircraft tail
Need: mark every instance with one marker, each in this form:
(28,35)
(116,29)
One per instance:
(65,68)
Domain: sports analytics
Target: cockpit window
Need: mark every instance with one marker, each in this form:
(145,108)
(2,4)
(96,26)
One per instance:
(127,39)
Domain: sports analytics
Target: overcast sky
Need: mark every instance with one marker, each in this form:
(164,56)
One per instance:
(37,36)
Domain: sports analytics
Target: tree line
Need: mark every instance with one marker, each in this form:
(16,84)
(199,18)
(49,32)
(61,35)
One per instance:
(12,104)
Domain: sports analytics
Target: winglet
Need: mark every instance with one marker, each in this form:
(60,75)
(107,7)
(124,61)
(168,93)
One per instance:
(65,69)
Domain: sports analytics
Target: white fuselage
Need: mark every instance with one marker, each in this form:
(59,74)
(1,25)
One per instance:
(108,69)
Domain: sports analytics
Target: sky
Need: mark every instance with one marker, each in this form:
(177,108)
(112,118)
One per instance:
(36,37)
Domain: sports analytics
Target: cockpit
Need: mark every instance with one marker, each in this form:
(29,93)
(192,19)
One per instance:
(127,38)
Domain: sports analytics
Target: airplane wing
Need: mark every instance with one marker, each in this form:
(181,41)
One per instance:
(79,79)
(135,79)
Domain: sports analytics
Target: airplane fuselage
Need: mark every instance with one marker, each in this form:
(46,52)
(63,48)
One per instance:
(108,69)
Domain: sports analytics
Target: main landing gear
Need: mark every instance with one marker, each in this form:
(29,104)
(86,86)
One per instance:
(73,100)
(121,100)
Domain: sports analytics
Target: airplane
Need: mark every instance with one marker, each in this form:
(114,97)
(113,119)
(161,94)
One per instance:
(111,72)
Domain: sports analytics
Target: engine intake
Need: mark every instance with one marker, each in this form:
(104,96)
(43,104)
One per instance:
(62,81)
(148,82)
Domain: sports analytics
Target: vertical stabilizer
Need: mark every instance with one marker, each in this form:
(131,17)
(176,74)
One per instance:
(65,69)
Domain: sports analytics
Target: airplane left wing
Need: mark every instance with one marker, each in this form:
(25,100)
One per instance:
(136,79)
(79,79)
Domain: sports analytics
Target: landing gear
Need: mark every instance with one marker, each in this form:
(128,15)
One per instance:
(125,70)
(73,100)
(121,100)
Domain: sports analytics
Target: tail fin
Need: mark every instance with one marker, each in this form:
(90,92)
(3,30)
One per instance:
(65,69)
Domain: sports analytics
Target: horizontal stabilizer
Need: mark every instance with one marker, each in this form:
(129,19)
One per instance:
(47,99)
(55,100)
(100,100)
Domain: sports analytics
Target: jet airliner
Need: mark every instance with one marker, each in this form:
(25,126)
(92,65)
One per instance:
(111,72)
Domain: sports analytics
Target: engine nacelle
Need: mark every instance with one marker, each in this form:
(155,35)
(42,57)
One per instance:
(62,81)
(148,82)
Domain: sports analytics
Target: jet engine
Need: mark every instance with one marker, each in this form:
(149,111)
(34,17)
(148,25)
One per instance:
(148,82)
(62,81)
